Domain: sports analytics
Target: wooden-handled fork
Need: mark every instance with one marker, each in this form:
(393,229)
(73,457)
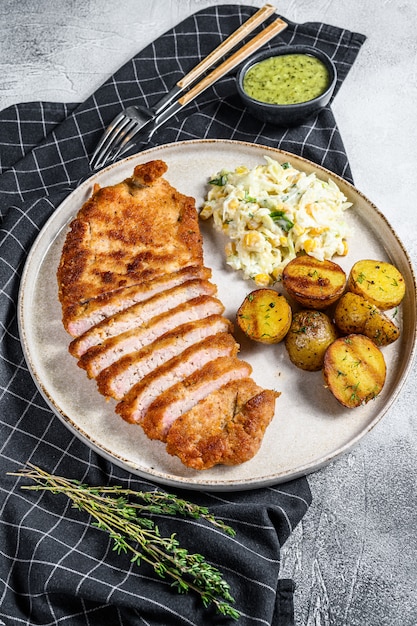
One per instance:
(138,123)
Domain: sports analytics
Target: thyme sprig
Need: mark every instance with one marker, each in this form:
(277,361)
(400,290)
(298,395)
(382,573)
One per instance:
(126,515)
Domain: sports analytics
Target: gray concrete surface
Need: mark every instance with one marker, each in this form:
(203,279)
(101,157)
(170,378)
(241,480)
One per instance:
(354,555)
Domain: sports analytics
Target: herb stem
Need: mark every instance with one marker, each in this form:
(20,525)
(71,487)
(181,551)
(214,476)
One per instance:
(114,511)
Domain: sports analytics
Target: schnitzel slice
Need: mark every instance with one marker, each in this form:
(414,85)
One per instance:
(141,396)
(97,358)
(117,379)
(82,317)
(183,395)
(140,313)
(227,427)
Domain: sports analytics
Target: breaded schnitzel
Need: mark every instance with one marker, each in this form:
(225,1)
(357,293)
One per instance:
(148,326)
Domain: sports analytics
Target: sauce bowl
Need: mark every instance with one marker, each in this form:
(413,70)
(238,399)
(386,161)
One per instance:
(287,114)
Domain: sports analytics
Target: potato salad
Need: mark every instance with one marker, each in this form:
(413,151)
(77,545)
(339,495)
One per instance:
(273,212)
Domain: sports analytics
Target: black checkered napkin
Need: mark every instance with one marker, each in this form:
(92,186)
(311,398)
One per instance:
(55,568)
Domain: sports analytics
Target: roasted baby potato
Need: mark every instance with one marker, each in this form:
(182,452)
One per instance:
(351,313)
(381,329)
(354,314)
(377,281)
(354,370)
(264,316)
(310,334)
(312,283)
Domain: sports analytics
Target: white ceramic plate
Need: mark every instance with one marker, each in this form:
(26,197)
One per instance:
(309,429)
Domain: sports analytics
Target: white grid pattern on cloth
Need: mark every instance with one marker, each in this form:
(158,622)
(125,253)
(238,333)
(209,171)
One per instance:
(54,567)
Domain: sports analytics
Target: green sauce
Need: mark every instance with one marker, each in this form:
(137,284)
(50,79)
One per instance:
(287,79)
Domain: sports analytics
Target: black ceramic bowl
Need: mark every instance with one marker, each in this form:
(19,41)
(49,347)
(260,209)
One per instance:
(287,114)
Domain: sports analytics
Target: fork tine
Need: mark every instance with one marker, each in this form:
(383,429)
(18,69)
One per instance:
(109,138)
(122,150)
(110,141)
(127,141)
(106,134)
(114,140)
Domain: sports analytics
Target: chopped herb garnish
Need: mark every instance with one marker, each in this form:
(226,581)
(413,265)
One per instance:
(302,329)
(249,198)
(221,181)
(282,220)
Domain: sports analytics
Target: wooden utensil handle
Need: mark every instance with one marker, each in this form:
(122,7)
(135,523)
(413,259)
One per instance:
(247,27)
(252,46)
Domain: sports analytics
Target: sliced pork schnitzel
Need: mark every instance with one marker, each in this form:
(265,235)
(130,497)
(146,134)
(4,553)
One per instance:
(147,325)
